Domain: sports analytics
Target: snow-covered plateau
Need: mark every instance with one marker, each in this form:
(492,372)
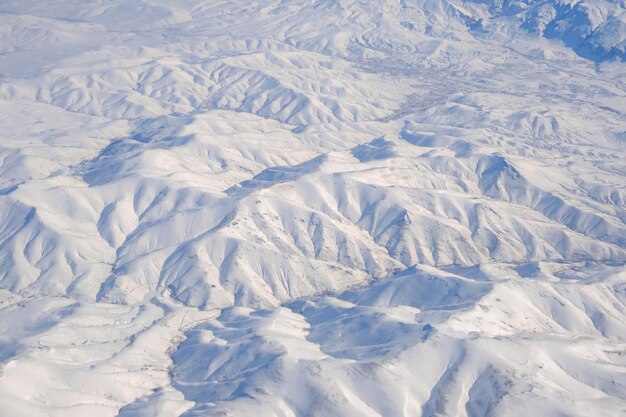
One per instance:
(312,208)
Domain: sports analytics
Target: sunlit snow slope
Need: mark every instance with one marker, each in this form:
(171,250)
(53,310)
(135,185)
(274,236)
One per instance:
(313,208)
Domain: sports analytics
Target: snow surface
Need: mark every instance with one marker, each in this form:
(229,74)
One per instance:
(313,208)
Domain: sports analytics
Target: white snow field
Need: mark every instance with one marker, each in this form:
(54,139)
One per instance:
(312,208)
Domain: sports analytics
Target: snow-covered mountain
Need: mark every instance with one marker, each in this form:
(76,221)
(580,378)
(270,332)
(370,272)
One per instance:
(313,208)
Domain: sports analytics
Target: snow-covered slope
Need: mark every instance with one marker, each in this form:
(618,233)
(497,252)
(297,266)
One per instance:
(313,208)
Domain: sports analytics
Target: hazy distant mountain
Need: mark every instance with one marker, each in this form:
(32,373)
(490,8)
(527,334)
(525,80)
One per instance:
(313,208)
